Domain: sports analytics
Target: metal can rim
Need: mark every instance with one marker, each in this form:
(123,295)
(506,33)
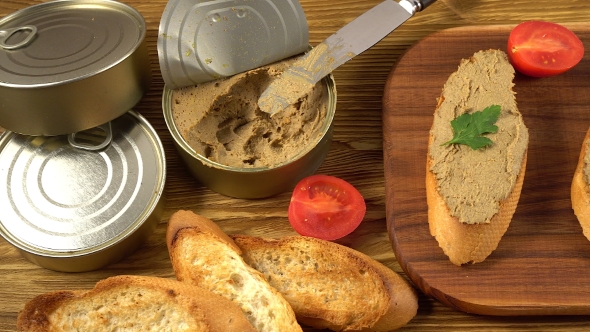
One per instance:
(155,200)
(114,4)
(331,110)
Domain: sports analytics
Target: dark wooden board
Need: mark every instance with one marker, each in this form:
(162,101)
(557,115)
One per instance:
(542,264)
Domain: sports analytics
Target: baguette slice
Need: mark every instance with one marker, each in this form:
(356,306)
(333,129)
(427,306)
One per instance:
(465,242)
(133,303)
(580,190)
(203,255)
(331,286)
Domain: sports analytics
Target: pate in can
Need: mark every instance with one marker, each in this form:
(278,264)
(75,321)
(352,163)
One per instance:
(71,65)
(250,179)
(74,203)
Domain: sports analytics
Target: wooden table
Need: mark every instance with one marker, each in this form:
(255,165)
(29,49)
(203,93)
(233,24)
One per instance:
(356,156)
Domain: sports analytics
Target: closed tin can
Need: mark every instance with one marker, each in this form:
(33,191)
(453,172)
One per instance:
(257,182)
(71,65)
(204,40)
(78,203)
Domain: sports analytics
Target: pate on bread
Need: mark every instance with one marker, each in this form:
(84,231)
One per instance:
(472,194)
(580,188)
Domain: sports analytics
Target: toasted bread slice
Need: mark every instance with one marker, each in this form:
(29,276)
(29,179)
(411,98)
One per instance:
(202,254)
(469,243)
(133,303)
(472,194)
(331,286)
(580,190)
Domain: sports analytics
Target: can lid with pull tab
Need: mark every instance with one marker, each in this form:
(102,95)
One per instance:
(29,30)
(79,202)
(71,65)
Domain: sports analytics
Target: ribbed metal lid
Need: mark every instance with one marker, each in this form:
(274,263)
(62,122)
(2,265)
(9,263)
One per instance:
(200,41)
(66,40)
(58,199)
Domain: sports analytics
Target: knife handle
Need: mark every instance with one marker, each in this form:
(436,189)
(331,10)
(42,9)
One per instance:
(425,3)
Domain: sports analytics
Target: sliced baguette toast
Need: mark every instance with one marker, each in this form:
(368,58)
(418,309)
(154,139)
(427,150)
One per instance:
(580,190)
(331,286)
(133,303)
(464,184)
(203,255)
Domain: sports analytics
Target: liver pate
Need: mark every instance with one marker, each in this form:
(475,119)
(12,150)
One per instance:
(221,120)
(474,182)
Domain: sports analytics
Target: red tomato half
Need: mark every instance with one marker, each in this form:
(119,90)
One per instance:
(326,207)
(541,49)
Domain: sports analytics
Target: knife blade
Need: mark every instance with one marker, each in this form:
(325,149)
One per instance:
(351,40)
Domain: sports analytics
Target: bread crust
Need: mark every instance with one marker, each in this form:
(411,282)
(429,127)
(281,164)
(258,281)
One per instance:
(468,243)
(580,190)
(379,299)
(210,312)
(203,255)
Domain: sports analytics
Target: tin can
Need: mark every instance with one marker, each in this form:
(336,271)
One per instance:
(257,182)
(71,65)
(204,40)
(72,203)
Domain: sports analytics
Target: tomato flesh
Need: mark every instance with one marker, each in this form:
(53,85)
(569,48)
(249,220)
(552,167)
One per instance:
(542,49)
(325,207)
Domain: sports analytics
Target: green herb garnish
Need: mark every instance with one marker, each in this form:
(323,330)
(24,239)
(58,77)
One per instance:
(468,127)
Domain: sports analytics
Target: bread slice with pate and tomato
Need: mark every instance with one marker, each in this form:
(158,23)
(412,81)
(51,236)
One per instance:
(203,255)
(332,286)
(580,188)
(133,303)
(473,194)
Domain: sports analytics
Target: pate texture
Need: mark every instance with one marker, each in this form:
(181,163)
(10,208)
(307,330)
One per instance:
(221,120)
(474,182)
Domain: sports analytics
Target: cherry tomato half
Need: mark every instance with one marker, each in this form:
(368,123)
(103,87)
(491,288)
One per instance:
(542,49)
(326,207)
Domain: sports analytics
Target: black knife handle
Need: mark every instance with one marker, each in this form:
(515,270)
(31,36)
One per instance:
(426,3)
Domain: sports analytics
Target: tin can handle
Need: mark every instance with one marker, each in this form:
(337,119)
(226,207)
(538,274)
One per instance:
(77,143)
(6,34)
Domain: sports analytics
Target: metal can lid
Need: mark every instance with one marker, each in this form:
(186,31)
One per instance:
(66,40)
(61,200)
(200,41)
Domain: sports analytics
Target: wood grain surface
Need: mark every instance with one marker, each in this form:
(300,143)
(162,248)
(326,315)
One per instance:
(356,155)
(542,264)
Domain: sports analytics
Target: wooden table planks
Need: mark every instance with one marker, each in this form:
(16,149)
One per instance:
(356,155)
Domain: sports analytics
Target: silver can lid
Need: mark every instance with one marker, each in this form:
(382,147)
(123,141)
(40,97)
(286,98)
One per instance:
(66,40)
(201,41)
(59,200)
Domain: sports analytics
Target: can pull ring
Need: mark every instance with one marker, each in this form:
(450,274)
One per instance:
(94,139)
(6,34)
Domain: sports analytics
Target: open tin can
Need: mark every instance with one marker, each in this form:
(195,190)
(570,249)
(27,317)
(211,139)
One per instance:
(256,182)
(81,174)
(202,41)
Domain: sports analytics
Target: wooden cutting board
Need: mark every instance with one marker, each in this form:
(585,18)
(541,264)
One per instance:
(542,264)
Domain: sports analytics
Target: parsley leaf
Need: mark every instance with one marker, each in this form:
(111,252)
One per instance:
(468,127)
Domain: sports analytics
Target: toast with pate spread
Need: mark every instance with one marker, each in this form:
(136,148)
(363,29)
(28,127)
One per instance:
(331,286)
(580,189)
(133,303)
(472,194)
(203,255)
